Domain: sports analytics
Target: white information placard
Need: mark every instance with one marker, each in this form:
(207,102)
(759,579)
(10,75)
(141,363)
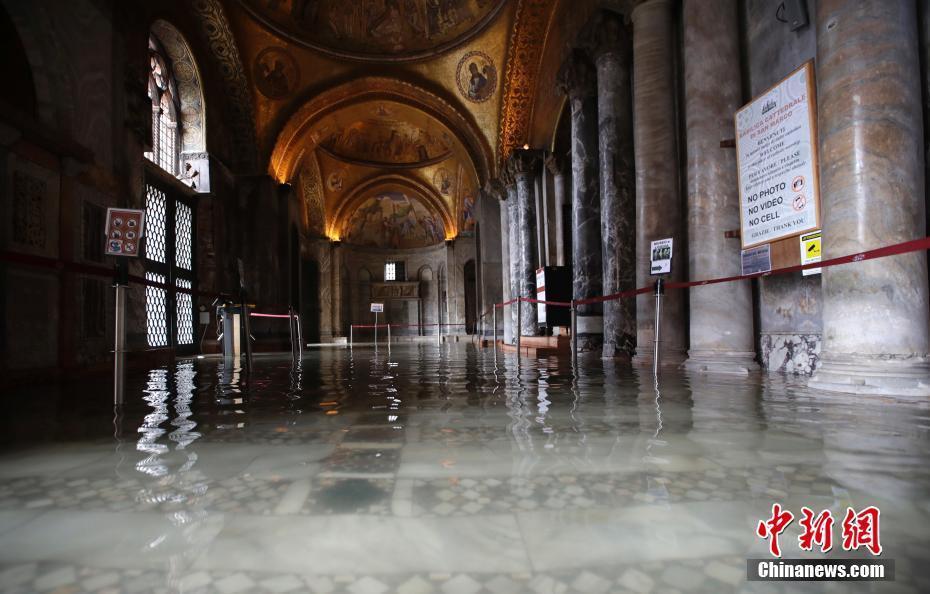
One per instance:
(661,256)
(776,152)
(541,295)
(377,308)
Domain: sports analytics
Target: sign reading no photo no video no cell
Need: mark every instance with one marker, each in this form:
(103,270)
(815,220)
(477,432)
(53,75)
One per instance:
(776,153)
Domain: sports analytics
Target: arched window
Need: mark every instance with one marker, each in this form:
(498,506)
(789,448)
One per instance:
(163,92)
(178,148)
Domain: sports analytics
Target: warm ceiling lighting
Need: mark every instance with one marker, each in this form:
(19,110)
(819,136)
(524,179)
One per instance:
(526,147)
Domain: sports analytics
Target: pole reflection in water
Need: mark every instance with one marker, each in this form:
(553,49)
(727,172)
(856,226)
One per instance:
(173,485)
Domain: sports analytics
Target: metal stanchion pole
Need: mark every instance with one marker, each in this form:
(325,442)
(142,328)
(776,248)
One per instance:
(519,328)
(389,336)
(574,335)
(376,331)
(290,326)
(300,336)
(351,334)
(119,345)
(494,317)
(659,292)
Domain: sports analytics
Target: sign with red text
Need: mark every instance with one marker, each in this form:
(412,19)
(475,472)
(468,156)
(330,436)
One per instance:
(776,152)
(124,231)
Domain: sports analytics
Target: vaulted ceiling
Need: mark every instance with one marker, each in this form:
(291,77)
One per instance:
(411,104)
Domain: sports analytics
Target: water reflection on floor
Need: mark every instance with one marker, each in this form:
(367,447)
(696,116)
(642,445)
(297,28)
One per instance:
(437,469)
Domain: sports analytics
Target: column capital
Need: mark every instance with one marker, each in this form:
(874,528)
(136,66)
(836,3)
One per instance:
(577,77)
(522,163)
(495,188)
(556,164)
(609,35)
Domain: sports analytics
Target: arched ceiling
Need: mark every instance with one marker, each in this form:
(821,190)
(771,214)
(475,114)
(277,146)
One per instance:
(376,30)
(428,94)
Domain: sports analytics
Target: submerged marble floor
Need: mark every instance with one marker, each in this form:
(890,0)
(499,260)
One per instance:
(439,469)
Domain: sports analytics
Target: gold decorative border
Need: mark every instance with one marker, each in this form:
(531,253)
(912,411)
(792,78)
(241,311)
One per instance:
(524,58)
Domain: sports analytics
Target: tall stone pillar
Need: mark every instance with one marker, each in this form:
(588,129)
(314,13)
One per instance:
(556,166)
(721,315)
(875,313)
(613,60)
(513,247)
(658,204)
(577,80)
(496,188)
(522,166)
(337,288)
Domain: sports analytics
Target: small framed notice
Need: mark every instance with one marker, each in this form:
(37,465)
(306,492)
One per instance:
(661,256)
(810,251)
(377,308)
(776,153)
(124,231)
(756,260)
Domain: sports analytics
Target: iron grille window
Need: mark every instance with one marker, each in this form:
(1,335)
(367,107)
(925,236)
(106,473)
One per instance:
(169,262)
(394,271)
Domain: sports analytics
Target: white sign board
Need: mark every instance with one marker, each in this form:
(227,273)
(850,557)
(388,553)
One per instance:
(776,152)
(377,308)
(541,295)
(810,251)
(756,260)
(661,256)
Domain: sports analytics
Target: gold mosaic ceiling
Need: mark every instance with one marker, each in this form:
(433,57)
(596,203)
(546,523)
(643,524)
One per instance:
(376,30)
(350,94)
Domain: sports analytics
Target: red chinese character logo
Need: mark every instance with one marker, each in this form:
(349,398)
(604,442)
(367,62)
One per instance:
(861,530)
(774,526)
(817,530)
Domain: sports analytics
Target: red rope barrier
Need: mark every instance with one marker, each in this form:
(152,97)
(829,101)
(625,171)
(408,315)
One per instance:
(264,315)
(905,247)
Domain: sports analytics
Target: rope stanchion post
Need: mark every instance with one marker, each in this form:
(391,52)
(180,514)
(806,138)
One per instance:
(659,293)
(290,327)
(519,327)
(120,283)
(389,336)
(351,334)
(574,335)
(376,331)
(494,323)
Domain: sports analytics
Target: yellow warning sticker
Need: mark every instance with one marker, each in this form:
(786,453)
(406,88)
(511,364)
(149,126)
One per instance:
(810,251)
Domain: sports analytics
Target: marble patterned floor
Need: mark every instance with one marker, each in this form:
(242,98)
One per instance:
(442,469)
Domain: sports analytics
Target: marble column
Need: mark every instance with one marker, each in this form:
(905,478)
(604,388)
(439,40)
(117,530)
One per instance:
(496,188)
(875,313)
(513,247)
(658,203)
(721,315)
(577,80)
(556,166)
(612,58)
(522,166)
(337,288)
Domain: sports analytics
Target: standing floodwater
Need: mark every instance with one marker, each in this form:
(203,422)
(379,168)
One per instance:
(439,469)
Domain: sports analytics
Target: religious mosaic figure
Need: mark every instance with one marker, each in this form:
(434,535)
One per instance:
(476,76)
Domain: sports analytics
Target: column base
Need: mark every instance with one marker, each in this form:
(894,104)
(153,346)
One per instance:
(667,358)
(590,333)
(860,374)
(721,362)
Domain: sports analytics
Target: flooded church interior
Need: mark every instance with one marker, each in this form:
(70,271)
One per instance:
(464,296)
